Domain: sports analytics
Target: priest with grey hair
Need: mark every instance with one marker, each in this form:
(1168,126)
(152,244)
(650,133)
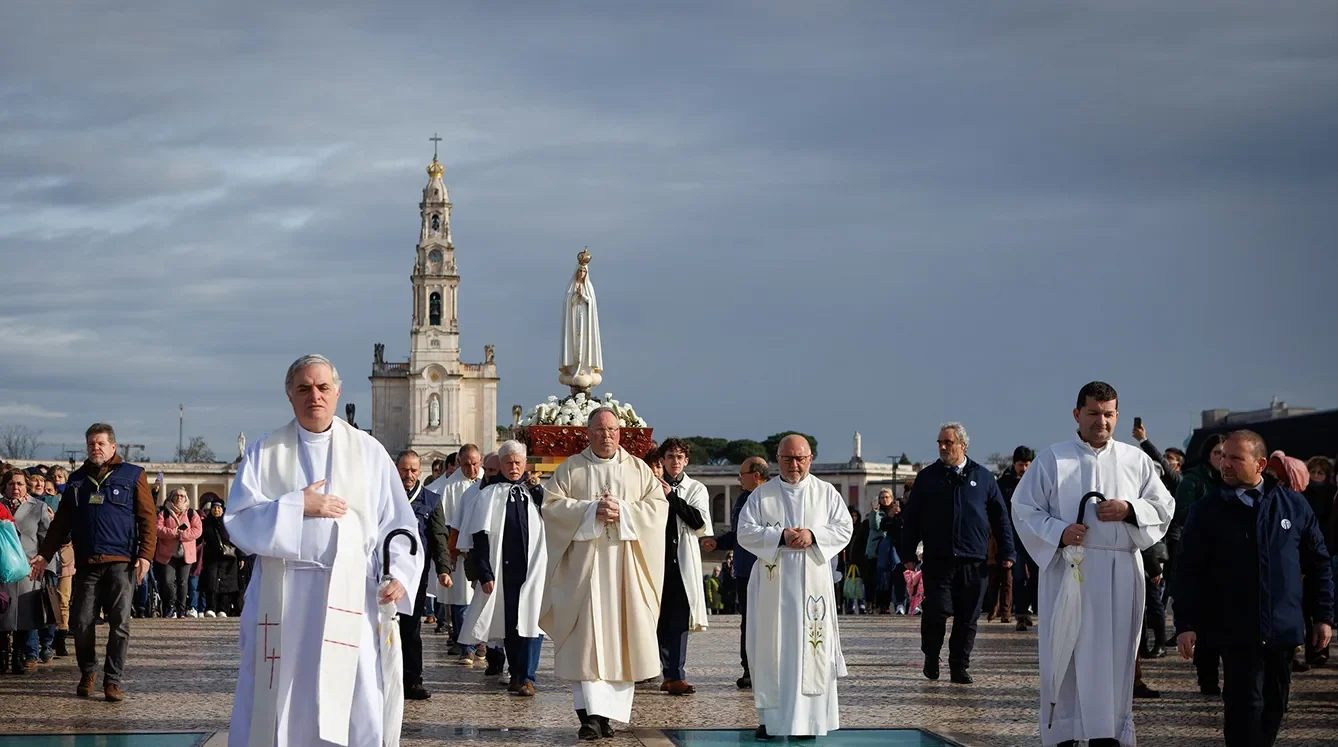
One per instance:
(504,535)
(315,500)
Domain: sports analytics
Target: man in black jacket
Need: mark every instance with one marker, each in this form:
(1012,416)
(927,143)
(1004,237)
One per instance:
(1252,563)
(1026,574)
(952,509)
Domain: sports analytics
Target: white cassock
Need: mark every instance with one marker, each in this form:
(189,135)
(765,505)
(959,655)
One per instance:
(483,622)
(451,489)
(1096,698)
(690,551)
(308,626)
(793,641)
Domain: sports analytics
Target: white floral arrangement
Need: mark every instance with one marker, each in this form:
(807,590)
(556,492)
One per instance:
(576,409)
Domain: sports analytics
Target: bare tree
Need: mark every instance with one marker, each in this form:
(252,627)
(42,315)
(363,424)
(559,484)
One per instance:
(999,461)
(19,442)
(196,451)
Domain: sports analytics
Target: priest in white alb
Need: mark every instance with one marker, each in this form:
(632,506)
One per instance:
(315,501)
(1094,700)
(445,525)
(505,539)
(795,524)
(604,516)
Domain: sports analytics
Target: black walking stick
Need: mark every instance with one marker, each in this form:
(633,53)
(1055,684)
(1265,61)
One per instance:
(1082,505)
(385,550)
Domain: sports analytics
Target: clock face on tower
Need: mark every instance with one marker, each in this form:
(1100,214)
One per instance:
(434,256)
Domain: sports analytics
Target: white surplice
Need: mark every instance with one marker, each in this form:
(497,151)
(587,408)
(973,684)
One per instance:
(1096,697)
(485,619)
(451,489)
(262,521)
(793,641)
(690,551)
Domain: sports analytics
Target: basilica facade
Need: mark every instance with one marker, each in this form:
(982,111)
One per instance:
(433,403)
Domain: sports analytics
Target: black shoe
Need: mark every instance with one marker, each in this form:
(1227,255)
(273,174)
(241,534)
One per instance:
(605,728)
(931,669)
(1300,666)
(416,692)
(762,735)
(1212,689)
(805,738)
(744,683)
(1143,691)
(589,730)
(61,651)
(493,670)
(961,677)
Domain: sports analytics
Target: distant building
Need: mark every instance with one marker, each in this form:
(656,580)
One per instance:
(1275,410)
(1300,432)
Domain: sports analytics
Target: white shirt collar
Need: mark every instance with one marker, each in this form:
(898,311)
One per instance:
(1247,500)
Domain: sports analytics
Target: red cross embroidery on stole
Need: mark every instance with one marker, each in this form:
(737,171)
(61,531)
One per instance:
(271,654)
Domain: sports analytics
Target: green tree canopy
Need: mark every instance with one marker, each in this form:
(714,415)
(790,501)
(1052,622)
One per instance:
(737,452)
(904,461)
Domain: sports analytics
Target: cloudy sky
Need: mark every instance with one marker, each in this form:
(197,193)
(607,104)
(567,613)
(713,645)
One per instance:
(822,216)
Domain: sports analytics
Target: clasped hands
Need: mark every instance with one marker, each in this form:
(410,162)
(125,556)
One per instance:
(609,511)
(797,539)
(1111,510)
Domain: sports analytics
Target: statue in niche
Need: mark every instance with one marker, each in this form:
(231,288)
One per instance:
(433,412)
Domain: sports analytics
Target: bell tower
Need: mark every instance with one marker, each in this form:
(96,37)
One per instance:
(435,336)
(433,403)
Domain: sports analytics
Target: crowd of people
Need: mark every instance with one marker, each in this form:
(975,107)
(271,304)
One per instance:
(510,561)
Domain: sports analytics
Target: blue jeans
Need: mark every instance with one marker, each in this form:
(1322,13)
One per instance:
(523,656)
(194,594)
(458,622)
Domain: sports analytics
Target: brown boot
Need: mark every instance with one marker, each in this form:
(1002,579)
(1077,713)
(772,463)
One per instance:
(680,687)
(526,690)
(112,692)
(86,683)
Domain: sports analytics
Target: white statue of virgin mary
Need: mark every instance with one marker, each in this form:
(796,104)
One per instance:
(582,360)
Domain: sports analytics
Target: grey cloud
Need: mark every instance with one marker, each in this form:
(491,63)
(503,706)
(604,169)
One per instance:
(836,217)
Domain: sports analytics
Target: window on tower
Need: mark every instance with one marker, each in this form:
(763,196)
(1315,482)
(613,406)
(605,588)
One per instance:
(436,223)
(434,309)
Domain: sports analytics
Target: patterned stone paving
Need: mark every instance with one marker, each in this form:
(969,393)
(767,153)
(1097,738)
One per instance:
(181,675)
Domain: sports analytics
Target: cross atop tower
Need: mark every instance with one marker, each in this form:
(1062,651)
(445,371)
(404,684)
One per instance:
(434,140)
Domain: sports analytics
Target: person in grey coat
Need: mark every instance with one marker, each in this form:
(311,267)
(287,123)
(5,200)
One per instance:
(27,610)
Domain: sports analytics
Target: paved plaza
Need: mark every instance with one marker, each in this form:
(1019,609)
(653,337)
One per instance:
(181,675)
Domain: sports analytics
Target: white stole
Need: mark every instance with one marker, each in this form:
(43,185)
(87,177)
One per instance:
(281,473)
(482,623)
(815,661)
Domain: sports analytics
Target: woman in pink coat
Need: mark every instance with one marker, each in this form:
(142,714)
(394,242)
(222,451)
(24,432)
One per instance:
(178,529)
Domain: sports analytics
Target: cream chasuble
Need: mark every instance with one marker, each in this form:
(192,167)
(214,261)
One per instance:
(452,489)
(794,645)
(307,626)
(601,601)
(1096,698)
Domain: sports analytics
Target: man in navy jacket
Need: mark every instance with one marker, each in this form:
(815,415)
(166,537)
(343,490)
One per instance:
(423,502)
(953,506)
(1252,566)
(752,473)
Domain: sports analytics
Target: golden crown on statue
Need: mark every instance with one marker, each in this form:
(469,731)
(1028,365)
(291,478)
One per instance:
(584,257)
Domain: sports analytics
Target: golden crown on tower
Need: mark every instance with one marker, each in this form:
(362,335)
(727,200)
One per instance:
(435,169)
(584,257)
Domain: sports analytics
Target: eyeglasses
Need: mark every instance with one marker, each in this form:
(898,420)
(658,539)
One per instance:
(795,459)
(604,431)
(947,443)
